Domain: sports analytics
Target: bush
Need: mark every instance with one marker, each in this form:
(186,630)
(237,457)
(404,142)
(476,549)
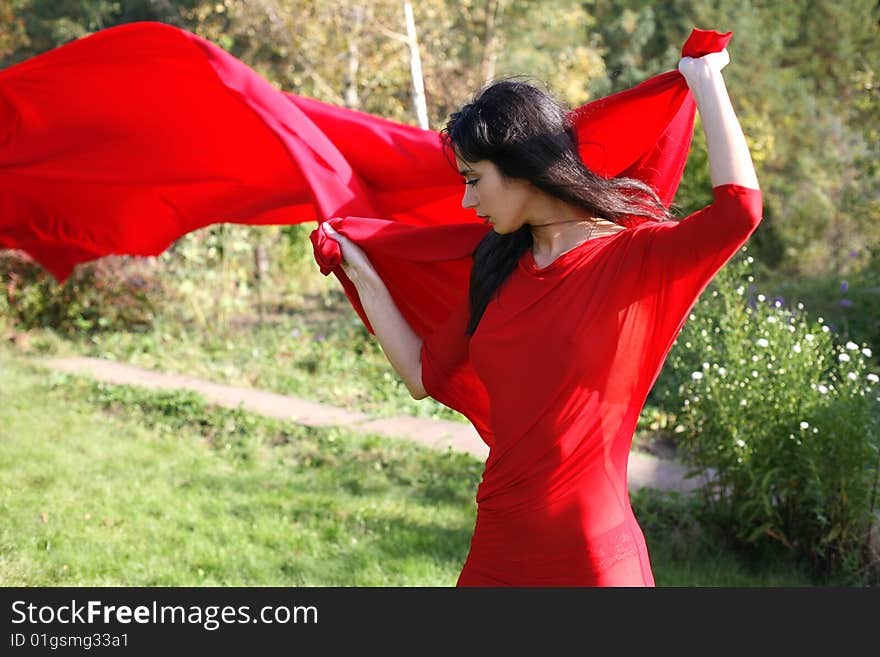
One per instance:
(782,423)
(110,294)
(849,301)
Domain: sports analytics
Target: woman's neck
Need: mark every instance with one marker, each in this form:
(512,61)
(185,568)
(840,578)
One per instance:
(551,240)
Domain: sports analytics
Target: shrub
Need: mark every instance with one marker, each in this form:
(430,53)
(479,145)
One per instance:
(110,294)
(780,421)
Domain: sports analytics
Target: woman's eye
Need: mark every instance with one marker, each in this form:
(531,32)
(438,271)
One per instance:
(472,181)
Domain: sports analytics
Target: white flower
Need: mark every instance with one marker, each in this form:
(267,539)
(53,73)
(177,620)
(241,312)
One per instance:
(705,366)
(825,329)
(822,389)
(754,359)
(800,306)
(762,342)
(796,349)
(873,378)
(852,376)
(844,358)
(815,430)
(762,298)
(696,376)
(772,319)
(852,346)
(754,374)
(740,290)
(867,352)
(805,425)
(740,442)
(723,372)
(743,402)
(750,260)
(777,303)
(692,317)
(809,337)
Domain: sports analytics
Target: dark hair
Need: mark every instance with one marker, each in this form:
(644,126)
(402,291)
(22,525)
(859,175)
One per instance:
(528,134)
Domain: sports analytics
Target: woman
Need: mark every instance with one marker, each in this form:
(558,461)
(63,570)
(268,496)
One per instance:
(569,317)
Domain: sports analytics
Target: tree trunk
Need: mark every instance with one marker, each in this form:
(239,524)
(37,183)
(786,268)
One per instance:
(353,62)
(415,62)
(494,9)
(261,274)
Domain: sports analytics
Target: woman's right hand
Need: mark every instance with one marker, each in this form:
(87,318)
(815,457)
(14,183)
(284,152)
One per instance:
(355,262)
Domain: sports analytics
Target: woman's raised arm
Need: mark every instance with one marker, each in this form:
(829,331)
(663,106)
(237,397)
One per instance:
(730,161)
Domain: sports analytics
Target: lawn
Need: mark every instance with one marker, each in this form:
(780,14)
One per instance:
(116,486)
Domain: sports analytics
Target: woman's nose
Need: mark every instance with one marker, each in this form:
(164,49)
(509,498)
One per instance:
(468,201)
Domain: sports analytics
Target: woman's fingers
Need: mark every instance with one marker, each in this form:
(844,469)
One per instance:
(353,257)
(689,66)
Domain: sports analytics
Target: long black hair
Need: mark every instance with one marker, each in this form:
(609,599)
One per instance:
(528,134)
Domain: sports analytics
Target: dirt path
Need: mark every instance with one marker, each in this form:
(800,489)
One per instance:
(644,470)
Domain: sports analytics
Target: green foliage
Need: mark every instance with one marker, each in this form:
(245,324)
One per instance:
(112,294)
(212,271)
(686,548)
(849,301)
(781,423)
(13,35)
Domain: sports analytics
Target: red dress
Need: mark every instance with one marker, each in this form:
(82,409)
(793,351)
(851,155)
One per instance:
(567,355)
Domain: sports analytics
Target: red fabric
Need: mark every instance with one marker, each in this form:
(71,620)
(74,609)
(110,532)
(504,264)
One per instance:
(121,142)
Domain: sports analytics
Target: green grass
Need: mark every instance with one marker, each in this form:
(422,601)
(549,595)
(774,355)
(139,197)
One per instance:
(685,553)
(315,351)
(107,497)
(118,486)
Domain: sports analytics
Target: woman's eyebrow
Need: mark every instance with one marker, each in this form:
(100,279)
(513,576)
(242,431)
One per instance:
(464,172)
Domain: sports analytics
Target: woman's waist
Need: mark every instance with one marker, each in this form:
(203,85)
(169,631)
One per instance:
(556,536)
(521,485)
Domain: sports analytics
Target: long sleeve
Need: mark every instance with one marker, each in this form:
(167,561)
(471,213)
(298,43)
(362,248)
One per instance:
(674,261)
(705,240)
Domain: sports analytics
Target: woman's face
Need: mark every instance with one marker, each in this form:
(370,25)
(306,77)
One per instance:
(499,201)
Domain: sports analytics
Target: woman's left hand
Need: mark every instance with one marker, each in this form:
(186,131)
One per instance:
(354,261)
(694,67)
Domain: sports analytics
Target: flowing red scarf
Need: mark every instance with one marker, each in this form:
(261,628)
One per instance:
(123,141)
